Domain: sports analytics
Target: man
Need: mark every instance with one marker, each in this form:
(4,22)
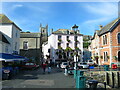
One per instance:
(44,67)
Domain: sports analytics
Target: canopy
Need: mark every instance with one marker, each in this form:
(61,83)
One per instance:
(9,57)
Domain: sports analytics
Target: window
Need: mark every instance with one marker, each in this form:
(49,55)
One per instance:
(67,32)
(6,49)
(104,39)
(25,45)
(16,34)
(67,37)
(75,44)
(59,37)
(59,44)
(119,38)
(105,56)
(75,38)
(15,45)
(67,45)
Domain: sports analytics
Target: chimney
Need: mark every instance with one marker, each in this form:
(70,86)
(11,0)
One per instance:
(100,27)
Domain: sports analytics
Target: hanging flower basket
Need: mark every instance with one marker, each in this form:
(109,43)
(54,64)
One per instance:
(68,40)
(101,57)
(108,57)
(115,57)
(96,57)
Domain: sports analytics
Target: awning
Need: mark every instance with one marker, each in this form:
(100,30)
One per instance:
(9,57)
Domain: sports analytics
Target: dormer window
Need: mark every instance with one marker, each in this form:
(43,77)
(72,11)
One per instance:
(59,37)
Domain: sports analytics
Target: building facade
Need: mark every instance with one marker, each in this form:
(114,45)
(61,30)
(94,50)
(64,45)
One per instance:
(62,45)
(105,46)
(11,30)
(4,44)
(30,43)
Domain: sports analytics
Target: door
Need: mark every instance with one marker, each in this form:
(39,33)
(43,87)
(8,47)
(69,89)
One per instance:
(119,56)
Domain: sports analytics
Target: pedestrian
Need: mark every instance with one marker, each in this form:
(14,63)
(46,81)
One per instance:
(49,68)
(44,67)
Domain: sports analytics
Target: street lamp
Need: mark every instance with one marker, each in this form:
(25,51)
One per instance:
(75,27)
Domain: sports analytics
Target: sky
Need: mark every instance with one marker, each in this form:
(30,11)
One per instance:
(61,15)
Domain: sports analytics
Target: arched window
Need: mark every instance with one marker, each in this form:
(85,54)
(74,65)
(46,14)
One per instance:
(119,38)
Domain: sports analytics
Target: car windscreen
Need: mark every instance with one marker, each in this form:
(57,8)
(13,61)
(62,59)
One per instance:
(84,63)
(90,61)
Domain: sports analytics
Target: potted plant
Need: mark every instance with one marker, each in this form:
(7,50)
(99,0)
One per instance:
(59,40)
(108,57)
(76,48)
(101,57)
(96,57)
(68,40)
(115,57)
(59,47)
(68,49)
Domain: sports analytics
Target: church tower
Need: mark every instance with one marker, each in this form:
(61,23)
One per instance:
(44,31)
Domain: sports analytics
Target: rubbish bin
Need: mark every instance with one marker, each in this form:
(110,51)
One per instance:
(80,82)
(106,67)
(92,83)
(80,73)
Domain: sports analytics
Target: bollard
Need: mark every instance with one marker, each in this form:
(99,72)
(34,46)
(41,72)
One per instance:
(66,72)
(75,74)
(80,82)
(112,80)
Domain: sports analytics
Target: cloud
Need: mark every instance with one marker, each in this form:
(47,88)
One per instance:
(17,6)
(104,9)
(102,13)
(96,20)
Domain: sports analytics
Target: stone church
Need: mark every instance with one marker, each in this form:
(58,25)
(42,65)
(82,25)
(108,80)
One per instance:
(31,44)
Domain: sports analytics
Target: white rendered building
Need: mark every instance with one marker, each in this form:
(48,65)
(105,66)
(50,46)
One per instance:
(63,45)
(11,30)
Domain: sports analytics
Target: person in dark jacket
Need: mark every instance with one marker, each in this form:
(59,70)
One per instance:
(44,67)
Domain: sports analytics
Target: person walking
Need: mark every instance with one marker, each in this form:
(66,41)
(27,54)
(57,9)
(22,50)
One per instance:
(49,68)
(44,67)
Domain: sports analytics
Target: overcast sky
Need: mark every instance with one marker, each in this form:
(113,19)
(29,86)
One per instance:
(87,15)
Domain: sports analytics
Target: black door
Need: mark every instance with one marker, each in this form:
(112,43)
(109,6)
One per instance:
(119,56)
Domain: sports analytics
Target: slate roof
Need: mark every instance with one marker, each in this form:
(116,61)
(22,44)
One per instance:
(29,35)
(109,27)
(3,38)
(65,31)
(5,20)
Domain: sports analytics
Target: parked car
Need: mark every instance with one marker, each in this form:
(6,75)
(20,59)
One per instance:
(83,65)
(90,62)
(30,65)
(64,64)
